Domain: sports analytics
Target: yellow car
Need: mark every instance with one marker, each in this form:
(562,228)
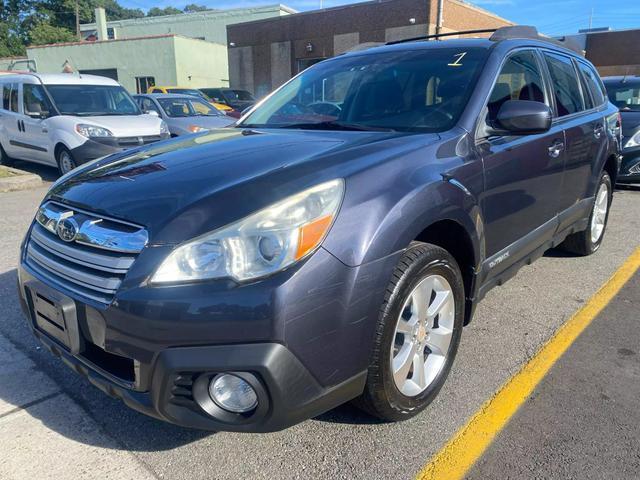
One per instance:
(190,91)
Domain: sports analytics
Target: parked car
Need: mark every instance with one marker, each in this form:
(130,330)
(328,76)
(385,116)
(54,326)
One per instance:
(251,278)
(183,114)
(65,120)
(624,93)
(190,91)
(239,100)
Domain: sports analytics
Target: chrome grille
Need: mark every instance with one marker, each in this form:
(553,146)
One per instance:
(85,253)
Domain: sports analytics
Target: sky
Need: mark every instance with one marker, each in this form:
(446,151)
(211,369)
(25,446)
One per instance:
(553,17)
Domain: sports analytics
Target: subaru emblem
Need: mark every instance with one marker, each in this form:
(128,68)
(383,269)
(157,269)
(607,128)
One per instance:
(68,229)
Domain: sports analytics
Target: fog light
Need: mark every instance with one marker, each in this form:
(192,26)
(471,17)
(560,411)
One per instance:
(233,393)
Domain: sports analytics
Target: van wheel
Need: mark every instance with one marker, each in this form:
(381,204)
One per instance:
(4,158)
(589,240)
(65,160)
(417,334)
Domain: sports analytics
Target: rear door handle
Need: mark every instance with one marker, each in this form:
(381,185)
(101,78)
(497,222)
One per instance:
(556,149)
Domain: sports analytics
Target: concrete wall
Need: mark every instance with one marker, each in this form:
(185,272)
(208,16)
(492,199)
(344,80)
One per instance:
(201,64)
(210,25)
(309,36)
(170,59)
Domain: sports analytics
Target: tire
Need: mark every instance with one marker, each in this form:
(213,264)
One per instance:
(65,161)
(588,241)
(423,268)
(4,158)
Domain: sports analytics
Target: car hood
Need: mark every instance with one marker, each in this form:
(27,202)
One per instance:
(190,185)
(126,125)
(630,123)
(183,123)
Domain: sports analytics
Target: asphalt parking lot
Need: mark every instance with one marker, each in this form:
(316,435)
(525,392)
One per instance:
(55,424)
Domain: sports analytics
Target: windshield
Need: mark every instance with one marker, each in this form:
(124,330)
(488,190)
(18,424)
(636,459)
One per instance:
(187,91)
(241,95)
(412,91)
(625,96)
(187,107)
(92,100)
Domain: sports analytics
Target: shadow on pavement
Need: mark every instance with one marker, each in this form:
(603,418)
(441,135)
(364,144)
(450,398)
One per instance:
(48,174)
(131,430)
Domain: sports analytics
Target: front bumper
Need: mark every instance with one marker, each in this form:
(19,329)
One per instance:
(304,335)
(630,166)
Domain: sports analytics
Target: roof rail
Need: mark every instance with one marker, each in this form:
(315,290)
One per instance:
(504,33)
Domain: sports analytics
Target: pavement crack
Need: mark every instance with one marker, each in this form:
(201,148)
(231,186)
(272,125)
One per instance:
(30,404)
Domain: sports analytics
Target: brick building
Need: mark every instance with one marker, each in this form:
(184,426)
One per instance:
(613,52)
(263,54)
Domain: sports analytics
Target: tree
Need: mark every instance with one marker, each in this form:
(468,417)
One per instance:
(158,12)
(44,33)
(193,7)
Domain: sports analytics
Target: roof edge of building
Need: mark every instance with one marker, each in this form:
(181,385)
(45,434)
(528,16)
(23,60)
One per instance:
(484,11)
(115,40)
(128,21)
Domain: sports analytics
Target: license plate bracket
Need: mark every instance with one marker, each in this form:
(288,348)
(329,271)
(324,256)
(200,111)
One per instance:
(55,314)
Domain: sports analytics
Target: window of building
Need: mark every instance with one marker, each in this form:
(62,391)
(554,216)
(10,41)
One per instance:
(519,79)
(566,89)
(144,83)
(35,102)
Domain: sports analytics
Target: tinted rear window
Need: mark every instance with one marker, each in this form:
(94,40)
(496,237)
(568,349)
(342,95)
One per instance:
(592,83)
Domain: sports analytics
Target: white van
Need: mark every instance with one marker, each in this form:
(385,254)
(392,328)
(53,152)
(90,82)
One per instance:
(67,119)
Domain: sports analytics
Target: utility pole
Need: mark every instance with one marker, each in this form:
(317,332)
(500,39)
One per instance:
(439,18)
(591,19)
(78,22)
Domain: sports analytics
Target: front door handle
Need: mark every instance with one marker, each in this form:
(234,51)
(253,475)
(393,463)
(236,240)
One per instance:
(556,149)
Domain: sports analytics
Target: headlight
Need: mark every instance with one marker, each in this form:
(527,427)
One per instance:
(92,131)
(263,243)
(196,129)
(634,141)
(164,128)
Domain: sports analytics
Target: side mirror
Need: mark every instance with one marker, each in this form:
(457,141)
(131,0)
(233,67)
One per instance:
(153,113)
(523,117)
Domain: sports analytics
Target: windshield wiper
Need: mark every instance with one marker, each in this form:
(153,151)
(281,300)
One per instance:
(329,125)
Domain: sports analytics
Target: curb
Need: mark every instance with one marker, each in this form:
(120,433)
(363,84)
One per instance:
(21,181)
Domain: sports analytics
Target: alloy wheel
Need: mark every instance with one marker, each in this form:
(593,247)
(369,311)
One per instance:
(599,215)
(423,334)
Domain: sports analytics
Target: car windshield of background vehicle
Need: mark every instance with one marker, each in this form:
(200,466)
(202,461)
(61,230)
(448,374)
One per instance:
(423,90)
(187,91)
(625,96)
(241,95)
(92,100)
(186,107)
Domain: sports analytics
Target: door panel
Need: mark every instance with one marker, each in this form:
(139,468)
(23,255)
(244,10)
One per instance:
(523,174)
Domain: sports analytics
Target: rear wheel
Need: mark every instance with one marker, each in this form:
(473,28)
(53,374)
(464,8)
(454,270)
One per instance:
(589,240)
(417,335)
(65,160)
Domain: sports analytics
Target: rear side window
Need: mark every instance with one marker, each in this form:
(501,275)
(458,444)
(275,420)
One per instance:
(10,97)
(6,90)
(566,88)
(592,84)
(519,79)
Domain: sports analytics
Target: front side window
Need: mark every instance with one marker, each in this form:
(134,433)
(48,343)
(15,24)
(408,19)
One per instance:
(519,79)
(187,107)
(625,96)
(566,88)
(423,90)
(147,105)
(35,102)
(92,100)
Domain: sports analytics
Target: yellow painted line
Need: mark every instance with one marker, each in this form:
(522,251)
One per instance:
(459,454)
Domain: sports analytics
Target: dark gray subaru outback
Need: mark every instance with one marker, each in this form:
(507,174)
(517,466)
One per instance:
(331,245)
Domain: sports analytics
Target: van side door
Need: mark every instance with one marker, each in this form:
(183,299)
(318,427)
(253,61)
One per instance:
(11,120)
(523,173)
(584,132)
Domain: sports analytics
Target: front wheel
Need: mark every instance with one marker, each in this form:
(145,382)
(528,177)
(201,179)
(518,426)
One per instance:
(589,240)
(417,335)
(65,160)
